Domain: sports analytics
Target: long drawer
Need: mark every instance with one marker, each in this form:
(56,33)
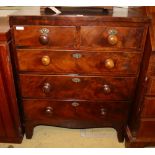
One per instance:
(74,113)
(89,37)
(117,63)
(77,87)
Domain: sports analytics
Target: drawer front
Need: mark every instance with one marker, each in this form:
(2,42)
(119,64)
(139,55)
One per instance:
(77,87)
(79,62)
(149,107)
(72,112)
(151,86)
(100,37)
(45,37)
(151,68)
(147,129)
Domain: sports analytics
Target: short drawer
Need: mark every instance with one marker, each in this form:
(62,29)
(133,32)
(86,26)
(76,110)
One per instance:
(100,37)
(149,107)
(45,36)
(79,62)
(77,114)
(77,87)
(147,129)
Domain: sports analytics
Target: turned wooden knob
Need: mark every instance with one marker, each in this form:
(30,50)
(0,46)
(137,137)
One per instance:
(49,110)
(45,60)
(46,87)
(109,63)
(112,39)
(107,89)
(43,39)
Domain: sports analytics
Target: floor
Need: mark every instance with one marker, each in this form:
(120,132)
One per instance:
(53,137)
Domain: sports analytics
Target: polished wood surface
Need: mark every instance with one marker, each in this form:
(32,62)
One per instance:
(87,37)
(64,87)
(147,128)
(149,107)
(98,37)
(30,36)
(10,126)
(79,62)
(73,114)
(151,68)
(151,86)
(36,110)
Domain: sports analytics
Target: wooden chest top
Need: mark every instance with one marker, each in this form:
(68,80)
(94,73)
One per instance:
(36,16)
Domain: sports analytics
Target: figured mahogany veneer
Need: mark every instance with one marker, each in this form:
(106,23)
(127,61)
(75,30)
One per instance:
(74,114)
(79,62)
(70,110)
(65,87)
(96,37)
(90,37)
(30,36)
(78,71)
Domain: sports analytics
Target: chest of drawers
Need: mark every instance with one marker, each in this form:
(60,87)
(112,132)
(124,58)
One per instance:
(77,71)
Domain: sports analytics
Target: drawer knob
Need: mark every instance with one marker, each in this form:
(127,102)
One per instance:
(103,111)
(112,38)
(44,36)
(47,87)
(43,39)
(107,89)
(49,110)
(45,60)
(76,80)
(75,104)
(77,55)
(109,63)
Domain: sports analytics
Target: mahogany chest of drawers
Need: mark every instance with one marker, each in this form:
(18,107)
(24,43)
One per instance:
(77,71)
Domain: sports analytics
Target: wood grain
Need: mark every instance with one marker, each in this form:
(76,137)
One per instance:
(63,87)
(125,63)
(96,37)
(64,111)
(58,36)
